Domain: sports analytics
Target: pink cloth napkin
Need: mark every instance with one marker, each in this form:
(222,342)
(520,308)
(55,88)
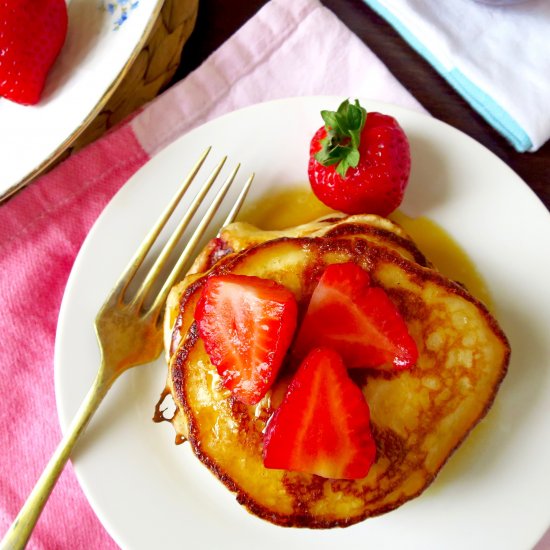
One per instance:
(284,50)
(43,227)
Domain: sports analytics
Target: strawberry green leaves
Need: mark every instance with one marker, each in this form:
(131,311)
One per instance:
(341,145)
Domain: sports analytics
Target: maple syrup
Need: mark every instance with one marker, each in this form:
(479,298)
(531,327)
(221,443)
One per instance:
(298,205)
(445,253)
(285,208)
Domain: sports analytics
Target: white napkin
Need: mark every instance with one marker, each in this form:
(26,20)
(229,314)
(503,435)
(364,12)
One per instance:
(497,57)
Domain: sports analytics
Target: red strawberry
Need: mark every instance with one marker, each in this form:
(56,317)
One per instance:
(357,320)
(323,424)
(32,33)
(247,324)
(359,163)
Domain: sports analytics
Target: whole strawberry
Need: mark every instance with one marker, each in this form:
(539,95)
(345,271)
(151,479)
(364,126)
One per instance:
(359,163)
(32,33)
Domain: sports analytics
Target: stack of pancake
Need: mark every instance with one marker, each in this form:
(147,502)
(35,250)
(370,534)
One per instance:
(418,416)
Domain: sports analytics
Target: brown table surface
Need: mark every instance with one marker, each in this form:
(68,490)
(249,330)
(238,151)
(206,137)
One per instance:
(219,19)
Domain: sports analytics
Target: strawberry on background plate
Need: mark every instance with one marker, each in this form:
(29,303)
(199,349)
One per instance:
(323,424)
(356,319)
(247,324)
(359,162)
(32,33)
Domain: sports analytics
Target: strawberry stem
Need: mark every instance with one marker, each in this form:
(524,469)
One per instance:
(341,144)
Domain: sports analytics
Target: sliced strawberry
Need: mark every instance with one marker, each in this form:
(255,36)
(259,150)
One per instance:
(323,424)
(247,324)
(32,33)
(356,319)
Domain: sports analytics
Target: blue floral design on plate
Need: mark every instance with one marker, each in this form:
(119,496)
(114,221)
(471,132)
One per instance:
(120,10)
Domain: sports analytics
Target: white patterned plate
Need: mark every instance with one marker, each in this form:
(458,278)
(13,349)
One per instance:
(104,36)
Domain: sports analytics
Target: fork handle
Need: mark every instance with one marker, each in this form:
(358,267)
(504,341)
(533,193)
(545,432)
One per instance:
(20,530)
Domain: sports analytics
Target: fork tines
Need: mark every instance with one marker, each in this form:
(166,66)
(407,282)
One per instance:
(174,239)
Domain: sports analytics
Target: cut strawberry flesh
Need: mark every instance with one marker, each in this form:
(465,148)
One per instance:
(357,320)
(322,426)
(246,324)
(32,34)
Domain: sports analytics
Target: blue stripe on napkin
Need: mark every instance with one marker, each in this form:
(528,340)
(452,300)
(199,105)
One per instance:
(483,103)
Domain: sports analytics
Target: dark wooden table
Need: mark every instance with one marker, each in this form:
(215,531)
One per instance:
(219,19)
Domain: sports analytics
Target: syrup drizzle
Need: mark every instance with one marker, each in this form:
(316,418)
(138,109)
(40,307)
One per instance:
(298,205)
(445,253)
(158,415)
(162,407)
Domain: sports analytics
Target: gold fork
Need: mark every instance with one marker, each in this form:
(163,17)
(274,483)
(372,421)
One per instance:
(129,331)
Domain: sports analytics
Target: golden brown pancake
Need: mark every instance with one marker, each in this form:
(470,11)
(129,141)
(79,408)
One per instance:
(419,416)
(239,236)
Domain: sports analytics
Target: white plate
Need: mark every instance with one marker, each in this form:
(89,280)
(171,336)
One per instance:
(103,39)
(493,493)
